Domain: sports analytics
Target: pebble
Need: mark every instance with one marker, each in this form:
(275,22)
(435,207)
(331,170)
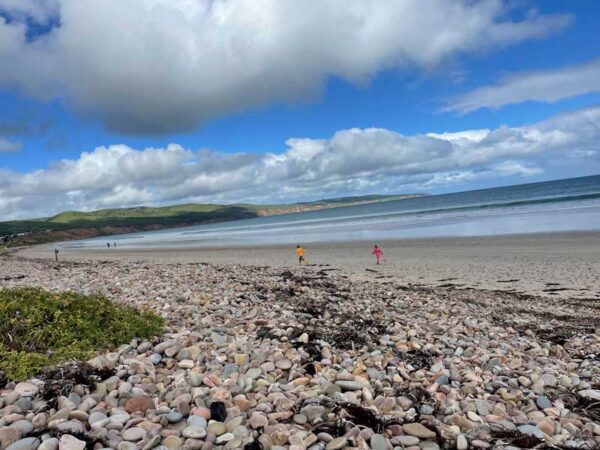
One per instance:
(225,438)
(68,442)
(418,430)
(216,428)
(26,389)
(378,442)
(24,426)
(349,385)
(8,435)
(543,402)
(134,434)
(194,432)
(30,443)
(461,442)
(531,430)
(337,443)
(49,444)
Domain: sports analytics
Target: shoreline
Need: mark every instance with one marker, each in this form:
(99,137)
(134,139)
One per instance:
(558,265)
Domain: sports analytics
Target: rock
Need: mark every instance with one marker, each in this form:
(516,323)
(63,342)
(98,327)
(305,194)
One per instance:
(197,422)
(284,364)
(349,385)
(258,420)
(26,389)
(405,441)
(216,428)
(280,436)
(253,374)
(24,426)
(71,426)
(49,444)
(429,445)
(174,417)
(543,402)
(218,411)
(193,433)
(8,435)
(68,442)
(151,443)
(418,430)
(300,419)
(336,444)
(30,443)
(461,442)
(531,430)
(378,442)
(173,443)
(225,438)
(96,417)
(139,404)
(590,394)
(483,408)
(134,434)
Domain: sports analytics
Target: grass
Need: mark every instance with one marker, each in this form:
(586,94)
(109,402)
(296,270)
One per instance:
(39,328)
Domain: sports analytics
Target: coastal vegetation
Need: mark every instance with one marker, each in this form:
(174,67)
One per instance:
(40,328)
(71,225)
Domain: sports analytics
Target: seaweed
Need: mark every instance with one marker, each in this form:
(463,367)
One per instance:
(90,442)
(62,379)
(265,333)
(515,438)
(353,415)
(585,407)
(419,359)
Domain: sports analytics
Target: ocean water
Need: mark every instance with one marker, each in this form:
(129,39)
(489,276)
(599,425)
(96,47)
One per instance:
(553,206)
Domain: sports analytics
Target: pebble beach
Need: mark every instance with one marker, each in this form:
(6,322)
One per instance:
(263,357)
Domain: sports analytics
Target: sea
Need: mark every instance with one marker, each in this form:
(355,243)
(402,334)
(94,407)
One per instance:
(553,206)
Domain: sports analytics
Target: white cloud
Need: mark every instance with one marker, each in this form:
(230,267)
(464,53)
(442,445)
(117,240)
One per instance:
(355,161)
(8,146)
(544,86)
(154,66)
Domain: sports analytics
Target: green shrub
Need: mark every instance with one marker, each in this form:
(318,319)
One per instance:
(40,328)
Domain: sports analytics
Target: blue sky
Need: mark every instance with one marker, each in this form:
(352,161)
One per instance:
(72,84)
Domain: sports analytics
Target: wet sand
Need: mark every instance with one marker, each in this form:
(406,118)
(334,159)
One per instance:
(563,265)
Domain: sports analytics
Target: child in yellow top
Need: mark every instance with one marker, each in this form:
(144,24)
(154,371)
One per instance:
(300,254)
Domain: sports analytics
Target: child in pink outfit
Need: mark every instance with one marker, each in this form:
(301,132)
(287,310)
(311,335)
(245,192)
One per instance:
(378,253)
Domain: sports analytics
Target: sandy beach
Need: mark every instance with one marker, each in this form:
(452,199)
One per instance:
(563,265)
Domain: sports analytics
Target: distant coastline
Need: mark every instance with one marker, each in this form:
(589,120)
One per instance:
(72,225)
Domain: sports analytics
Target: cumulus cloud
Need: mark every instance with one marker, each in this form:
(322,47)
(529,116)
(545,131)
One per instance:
(544,86)
(354,161)
(156,66)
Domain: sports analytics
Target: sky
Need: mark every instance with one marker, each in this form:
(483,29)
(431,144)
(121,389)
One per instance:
(105,103)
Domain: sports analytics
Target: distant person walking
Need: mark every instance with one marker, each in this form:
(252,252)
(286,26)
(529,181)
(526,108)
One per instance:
(108,244)
(56,254)
(114,244)
(378,253)
(300,254)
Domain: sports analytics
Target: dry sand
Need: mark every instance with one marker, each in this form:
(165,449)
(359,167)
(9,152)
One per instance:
(559,265)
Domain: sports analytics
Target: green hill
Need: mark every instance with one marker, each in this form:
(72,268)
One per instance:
(78,225)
